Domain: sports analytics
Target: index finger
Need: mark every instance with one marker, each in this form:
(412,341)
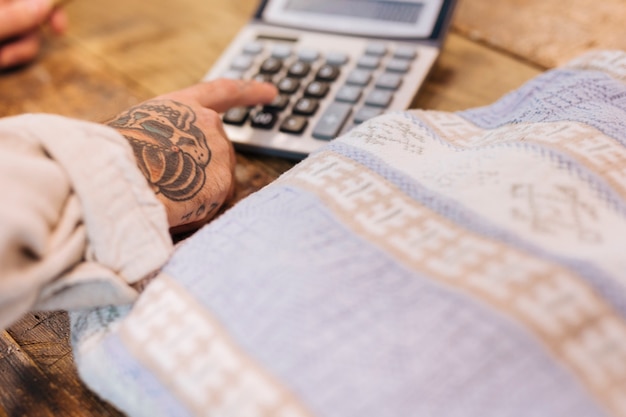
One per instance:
(223,94)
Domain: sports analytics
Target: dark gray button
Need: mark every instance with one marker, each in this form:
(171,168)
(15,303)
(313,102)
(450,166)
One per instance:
(279,103)
(299,69)
(327,73)
(271,66)
(263,119)
(332,120)
(294,124)
(316,89)
(236,115)
(305,106)
(288,85)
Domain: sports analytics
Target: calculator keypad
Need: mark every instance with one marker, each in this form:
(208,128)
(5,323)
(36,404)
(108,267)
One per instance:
(327,84)
(305,77)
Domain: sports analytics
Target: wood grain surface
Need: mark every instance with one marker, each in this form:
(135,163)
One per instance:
(120,52)
(544,32)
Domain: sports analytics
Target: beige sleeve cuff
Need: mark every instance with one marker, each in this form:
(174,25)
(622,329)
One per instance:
(78,222)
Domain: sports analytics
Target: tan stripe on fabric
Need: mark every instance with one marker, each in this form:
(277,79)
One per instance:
(189,352)
(554,304)
(591,148)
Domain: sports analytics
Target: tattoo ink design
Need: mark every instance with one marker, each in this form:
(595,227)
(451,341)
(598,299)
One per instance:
(171,151)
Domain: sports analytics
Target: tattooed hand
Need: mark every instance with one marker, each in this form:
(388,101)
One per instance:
(182,149)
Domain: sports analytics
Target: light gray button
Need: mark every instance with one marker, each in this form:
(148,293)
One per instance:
(398,65)
(331,122)
(359,77)
(253,48)
(336,58)
(308,55)
(376,49)
(366,113)
(241,63)
(368,62)
(233,74)
(349,94)
(389,81)
(281,51)
(379,98)
(405,52)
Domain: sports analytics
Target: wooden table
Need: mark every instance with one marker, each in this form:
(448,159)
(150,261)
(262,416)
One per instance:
(121,52)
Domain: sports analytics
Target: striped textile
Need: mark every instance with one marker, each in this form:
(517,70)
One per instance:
(466,264)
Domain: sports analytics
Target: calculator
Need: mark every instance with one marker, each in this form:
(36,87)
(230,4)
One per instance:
(336,64)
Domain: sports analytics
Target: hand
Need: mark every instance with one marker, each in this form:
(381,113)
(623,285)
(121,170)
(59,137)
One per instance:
(21,24)
(182,149)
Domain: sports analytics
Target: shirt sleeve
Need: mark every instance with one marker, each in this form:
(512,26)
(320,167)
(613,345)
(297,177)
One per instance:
(79,223)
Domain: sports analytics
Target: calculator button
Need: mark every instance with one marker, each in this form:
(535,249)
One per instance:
(271,66)
(359,77)
(308,55)
(294,124)
(398,65)
(236,115)
(405,52)
(349,94)
(327,73)
(336,58)
(379,98)
(263,119)
(332,121)
(316,89)
(253,48)
(389,81)
(233,74)
(288,85)
(299,69)
(241,63)
(376,49)
(281,51)
(264,78)
(368,62)
(366,113)
(279,103)
(306,106)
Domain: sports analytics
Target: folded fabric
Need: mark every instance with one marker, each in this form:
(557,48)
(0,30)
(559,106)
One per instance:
(78,225)
(425,264)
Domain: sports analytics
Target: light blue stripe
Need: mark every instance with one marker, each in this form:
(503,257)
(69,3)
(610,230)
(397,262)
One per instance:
(354,333)
(608,287)
(593,98)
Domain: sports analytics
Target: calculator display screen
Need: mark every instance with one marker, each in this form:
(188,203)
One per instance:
(410,19)
(387,10)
